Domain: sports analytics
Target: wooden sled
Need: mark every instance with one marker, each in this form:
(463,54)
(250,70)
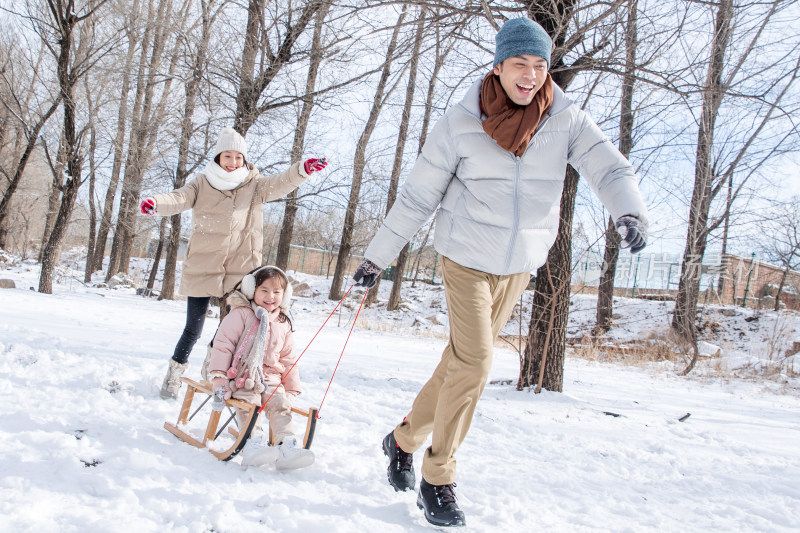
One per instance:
(212,432)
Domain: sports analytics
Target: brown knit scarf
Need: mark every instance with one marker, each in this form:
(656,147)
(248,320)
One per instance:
(509,124)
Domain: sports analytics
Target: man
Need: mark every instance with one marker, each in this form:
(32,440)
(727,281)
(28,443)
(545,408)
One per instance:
(495,166)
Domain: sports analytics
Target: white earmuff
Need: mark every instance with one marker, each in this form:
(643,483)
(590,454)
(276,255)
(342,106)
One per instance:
(287,296)
(249,286)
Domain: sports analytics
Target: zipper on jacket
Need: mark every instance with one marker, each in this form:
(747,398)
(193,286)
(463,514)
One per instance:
(515,210)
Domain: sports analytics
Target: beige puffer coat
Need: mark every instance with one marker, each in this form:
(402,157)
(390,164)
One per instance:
(227,236)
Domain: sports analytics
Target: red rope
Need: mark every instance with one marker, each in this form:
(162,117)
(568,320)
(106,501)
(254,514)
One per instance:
(309,344)
(319,410)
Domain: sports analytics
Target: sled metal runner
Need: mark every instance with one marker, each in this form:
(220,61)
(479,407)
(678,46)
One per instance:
(213,429)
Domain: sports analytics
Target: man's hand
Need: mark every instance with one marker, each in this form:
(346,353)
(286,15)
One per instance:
(314,165)
(148,206)
(633,232)
(366,274)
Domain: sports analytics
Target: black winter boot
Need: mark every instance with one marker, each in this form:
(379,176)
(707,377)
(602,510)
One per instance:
(401,470)
(439,504)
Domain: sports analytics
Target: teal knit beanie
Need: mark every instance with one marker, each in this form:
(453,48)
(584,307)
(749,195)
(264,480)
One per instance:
(522,36)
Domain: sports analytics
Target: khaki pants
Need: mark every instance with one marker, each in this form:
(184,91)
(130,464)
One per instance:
(478,305)
(278,411)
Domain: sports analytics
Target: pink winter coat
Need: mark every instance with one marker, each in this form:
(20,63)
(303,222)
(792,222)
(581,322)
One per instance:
(278,355)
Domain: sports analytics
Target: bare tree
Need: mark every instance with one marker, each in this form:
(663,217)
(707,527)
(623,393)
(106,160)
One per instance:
(65,18)
(92,106)
(543,358)
(443,46)
(260,63)
(162,232)
(146,121)
(130,29)
(197,69)
(784,244)
(605,291)
(31,122)
(729,61)
(291,206)
(397,166)
(54,197)
(359,162)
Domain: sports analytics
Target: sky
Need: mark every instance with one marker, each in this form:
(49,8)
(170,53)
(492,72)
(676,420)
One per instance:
(85,448)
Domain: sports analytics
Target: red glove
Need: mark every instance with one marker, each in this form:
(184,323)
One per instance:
(148,206)
(315,165)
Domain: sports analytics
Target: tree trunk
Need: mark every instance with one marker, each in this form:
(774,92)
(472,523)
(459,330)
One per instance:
(252,84)
(543,358)
(143,131)
(418,259)
(683,321)
(605,291)
(33,136)
(725,228)
(90,245)
(114,262)
(290,208)
(162,233)
(359,162)
(397,281)
(397,167)
(782,284)
(187,128)
(119,142)
(550,310)
(54,198)
(66,22)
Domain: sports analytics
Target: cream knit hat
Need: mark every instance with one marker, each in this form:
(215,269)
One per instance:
(230,140)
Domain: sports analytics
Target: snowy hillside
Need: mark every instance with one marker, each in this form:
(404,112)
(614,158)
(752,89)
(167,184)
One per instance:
(85,447)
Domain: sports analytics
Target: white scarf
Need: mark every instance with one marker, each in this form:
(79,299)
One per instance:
(223,180)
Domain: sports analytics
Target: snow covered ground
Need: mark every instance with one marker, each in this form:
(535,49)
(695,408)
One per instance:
(85,448)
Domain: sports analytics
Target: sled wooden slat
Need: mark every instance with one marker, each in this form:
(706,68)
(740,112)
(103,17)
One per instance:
(183,435)
(311,426)
(250,417)
(211,429)
(242,434)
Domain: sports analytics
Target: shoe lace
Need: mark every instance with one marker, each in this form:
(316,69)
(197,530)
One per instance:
(404,460)
(445,493)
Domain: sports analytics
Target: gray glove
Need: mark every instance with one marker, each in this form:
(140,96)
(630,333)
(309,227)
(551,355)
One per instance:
(633,232)
(218,399)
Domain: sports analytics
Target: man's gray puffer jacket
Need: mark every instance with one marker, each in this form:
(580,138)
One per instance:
(499,213)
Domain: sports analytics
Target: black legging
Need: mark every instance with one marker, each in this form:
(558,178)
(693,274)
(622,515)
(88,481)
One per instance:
(196,309)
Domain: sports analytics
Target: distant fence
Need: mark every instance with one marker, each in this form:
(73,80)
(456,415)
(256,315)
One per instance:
(726,279)
(321,262)
(313,260)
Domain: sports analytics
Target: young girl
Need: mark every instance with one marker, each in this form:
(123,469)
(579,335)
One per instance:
(227,235)
(253,350)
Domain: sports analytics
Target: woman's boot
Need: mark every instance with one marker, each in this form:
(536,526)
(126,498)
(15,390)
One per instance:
(172,381)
